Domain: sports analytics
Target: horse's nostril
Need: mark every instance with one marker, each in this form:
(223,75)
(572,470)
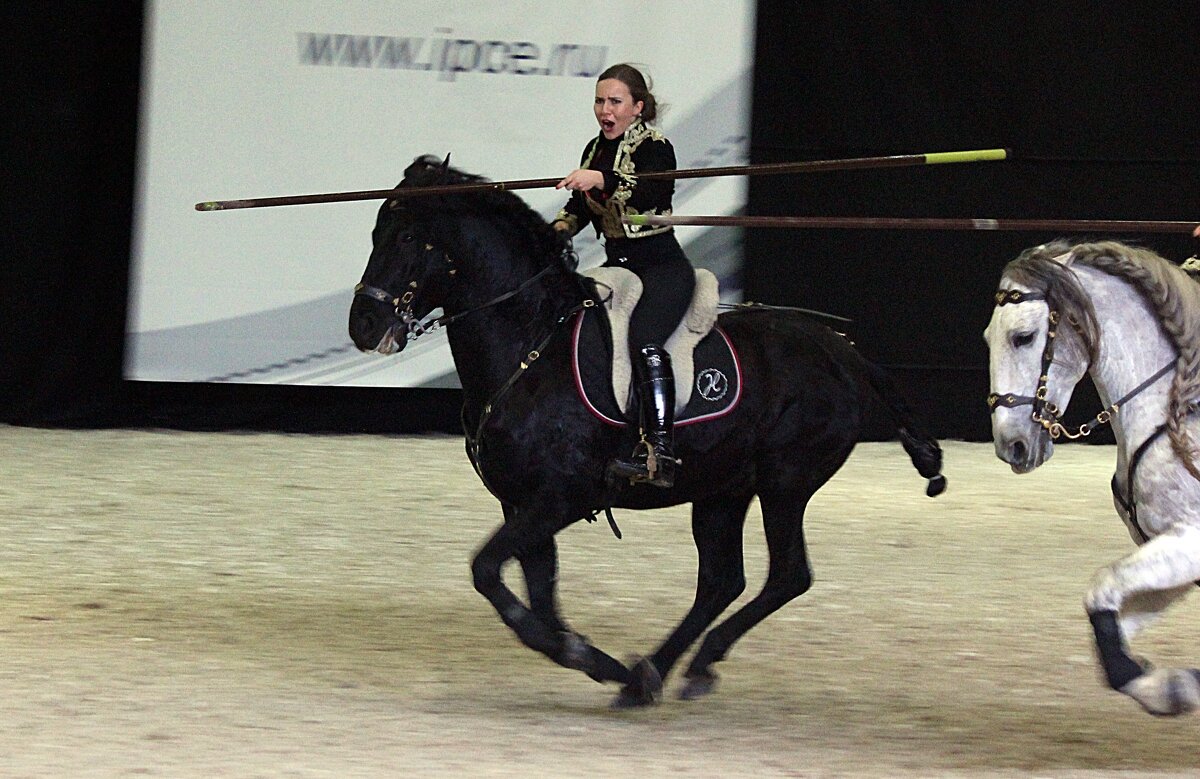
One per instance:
(362,326)
(1018,451)
(362,322)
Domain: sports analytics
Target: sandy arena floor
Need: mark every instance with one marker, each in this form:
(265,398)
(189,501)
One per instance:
(244,605)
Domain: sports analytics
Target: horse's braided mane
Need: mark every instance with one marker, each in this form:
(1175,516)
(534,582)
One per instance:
(498,205)
(1175,298)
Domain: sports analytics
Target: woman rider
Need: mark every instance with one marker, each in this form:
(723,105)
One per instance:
(604,189)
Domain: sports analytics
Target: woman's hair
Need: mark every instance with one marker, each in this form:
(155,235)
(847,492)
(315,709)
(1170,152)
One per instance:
(638,88)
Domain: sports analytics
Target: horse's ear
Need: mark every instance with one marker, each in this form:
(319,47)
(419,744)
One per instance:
(445,168)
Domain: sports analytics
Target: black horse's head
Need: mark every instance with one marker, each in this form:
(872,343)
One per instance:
(408,271)
(433,251)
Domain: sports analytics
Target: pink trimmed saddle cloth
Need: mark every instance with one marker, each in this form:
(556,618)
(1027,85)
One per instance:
(708,378)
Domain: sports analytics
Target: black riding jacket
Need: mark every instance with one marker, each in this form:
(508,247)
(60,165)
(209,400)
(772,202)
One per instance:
(641,149)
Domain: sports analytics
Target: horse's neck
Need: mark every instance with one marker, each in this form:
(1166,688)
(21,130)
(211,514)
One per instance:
(487,348)
(490,344)
(1133,347)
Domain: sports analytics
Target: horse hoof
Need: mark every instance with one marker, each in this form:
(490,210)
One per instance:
(644,689)
(698,685)
(1168,692)
(576,652)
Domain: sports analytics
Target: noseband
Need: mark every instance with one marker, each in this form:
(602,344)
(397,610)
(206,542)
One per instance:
(1046,413)
(402,304)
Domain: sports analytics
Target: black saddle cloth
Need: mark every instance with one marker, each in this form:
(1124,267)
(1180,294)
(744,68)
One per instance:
(716,379)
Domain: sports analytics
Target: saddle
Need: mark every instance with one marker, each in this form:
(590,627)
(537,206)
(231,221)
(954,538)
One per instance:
(707,374)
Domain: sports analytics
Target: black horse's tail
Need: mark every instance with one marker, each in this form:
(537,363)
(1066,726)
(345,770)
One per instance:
(922,448)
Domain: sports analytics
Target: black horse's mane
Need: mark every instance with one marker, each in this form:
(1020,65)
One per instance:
(496,205)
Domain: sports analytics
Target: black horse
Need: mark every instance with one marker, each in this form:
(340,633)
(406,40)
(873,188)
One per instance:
(506,283)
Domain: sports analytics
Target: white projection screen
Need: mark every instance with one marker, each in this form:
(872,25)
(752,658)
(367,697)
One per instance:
(291,97)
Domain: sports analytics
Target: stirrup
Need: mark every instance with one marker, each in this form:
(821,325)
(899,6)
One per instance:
(660,470)
(645,466)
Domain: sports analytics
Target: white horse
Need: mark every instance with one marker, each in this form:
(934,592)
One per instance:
(1131,320)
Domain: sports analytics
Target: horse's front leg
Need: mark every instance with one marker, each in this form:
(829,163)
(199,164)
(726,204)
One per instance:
(1128,594)
(539,564)
(540,567)
(529,543)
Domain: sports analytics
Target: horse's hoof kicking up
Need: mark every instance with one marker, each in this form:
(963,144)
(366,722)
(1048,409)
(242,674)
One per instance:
(1167,692)
(644,688)
(698,685)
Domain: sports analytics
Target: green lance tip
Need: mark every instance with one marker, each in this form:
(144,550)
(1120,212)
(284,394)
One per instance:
(982,155)
(211,205)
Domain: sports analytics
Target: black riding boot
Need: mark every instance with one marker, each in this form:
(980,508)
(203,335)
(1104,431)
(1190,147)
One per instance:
(653,461)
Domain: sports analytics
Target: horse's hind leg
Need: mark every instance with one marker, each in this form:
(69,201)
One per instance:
(788,576)
(1127,595)
(517,539)
(717,530)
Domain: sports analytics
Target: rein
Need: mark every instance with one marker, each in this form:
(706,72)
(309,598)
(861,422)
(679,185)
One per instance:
(1046,413)
(415,327)
(530,358)
(474,442)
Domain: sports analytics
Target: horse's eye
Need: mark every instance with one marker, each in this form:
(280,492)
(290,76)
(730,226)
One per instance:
(407,238)
(1022,339)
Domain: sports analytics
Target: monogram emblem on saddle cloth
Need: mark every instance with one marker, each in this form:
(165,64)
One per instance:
(708,379)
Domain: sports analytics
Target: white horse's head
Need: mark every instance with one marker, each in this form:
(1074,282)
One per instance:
(1038,346)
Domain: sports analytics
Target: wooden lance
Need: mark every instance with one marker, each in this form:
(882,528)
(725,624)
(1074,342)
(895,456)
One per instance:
(811,166)
(904,223)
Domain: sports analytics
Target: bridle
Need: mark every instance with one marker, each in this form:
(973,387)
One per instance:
(402,304)
(1046,413)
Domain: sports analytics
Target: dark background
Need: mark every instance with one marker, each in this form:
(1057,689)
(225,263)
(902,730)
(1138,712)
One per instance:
(1097,100)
